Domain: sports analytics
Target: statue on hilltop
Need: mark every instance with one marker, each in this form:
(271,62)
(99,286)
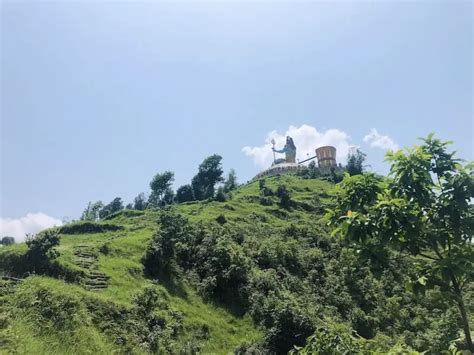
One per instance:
(289,149)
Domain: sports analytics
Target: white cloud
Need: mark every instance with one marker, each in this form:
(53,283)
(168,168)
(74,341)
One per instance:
(306,138)
(377,140)
(31,223)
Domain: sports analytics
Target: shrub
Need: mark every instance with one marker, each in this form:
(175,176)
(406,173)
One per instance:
(290,327)
(265,201)
(264,190)
(223,269)
(284,195)
(331,338)
(159,255)
(41,250)
(221,195)
(221,219)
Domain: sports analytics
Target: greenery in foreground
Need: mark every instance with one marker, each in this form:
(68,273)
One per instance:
(259,271)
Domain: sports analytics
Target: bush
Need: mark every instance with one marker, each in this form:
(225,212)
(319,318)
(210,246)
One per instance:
(290,327)
(264,190)
(284,195)
(221,195)
(41,250)
(331,338)
(159,255)
(265,201)
(223,269)
(221,219)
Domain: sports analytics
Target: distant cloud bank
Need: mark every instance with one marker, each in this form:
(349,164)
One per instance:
(31,223)
(307,139)
(377,140)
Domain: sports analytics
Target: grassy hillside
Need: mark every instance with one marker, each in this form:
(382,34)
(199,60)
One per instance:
(291,279)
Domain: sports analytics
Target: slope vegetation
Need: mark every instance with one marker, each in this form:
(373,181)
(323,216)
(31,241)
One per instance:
(258,271)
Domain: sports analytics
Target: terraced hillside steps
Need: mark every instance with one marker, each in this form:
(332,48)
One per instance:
(86,257)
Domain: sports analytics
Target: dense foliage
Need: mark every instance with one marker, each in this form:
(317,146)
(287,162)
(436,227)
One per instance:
(423,210)
(289,280)
(209,174)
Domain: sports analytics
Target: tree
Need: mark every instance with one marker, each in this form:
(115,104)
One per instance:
(7,240)
(355,162)
(231,182)
(424,211)
(114,206)
(139,203)
(184,193)
(209,174)
(91,211)
(161,187)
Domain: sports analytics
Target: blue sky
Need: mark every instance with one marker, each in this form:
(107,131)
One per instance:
(96,97)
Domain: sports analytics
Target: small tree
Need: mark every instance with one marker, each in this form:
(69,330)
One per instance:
(41,249)
(92,211)
(160,187)
(139,203)
(158,259)
(7,240)
(184,194)
(209,174)
(114,206)
(230,182)
(355,162)
(425,211)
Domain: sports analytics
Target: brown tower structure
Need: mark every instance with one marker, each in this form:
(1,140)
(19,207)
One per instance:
(326,156)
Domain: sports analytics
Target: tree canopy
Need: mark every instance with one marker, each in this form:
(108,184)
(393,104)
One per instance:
(185,193)
(114,206)
(209,174)
(161,189)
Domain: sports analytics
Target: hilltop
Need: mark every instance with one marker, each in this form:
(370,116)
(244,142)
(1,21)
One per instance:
(258,271)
